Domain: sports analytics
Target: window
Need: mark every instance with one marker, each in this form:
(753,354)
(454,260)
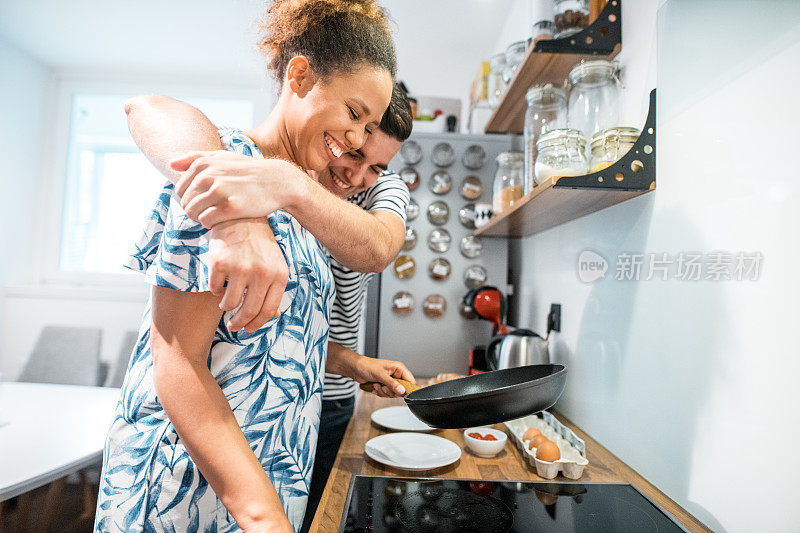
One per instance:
(110,186)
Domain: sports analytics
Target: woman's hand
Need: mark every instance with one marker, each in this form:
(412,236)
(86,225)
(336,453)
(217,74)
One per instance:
(381,372)
(219,186)
(244,254)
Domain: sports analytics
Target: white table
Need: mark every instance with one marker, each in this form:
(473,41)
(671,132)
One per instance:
(50,431)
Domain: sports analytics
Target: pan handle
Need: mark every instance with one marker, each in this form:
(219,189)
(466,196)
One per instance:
(410,387)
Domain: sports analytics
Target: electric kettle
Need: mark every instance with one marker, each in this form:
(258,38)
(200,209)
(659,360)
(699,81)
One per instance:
(521,347)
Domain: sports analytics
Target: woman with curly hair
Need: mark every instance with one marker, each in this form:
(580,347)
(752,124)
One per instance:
(215,429)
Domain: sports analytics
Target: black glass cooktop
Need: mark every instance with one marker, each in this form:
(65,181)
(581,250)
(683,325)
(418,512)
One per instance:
(416,505)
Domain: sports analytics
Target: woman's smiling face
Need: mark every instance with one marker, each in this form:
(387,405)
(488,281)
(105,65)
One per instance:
(328,117)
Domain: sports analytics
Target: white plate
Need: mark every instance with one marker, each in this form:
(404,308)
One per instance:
(412,451)
(399,418)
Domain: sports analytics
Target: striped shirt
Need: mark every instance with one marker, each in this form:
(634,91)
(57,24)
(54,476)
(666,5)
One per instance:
(388,194)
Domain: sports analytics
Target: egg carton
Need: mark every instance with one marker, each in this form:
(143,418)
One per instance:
(573,450)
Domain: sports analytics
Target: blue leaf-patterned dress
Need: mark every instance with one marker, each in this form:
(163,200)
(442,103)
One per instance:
(272,379)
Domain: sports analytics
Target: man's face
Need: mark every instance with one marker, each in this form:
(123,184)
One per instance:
(359,170)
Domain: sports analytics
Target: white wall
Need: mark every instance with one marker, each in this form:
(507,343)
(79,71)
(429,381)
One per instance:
(693,384)
(24,90)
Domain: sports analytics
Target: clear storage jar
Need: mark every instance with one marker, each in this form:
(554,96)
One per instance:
(497,86)
(562,152)
(547,110)
(543,29)
(571,16)
(509,183)
(594,96)
(609,145)
(515,55)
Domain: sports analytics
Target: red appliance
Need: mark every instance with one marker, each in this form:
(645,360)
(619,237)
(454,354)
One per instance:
(489,304)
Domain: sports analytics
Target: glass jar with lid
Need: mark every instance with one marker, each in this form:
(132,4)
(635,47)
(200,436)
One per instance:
(609,145)
(543,29)
(497,85)
(515,55)
(594,96)
(509,182)
(547,110)
(562,152)
(571,16)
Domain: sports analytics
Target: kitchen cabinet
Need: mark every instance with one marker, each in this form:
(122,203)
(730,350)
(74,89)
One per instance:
(508,465)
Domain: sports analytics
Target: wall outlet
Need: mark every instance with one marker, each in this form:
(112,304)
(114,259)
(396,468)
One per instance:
(554,318)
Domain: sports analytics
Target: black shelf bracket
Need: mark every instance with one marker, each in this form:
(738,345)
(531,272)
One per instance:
(635,171)
(599,38)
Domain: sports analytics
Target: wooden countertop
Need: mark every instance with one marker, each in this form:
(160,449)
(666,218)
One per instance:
(509,464)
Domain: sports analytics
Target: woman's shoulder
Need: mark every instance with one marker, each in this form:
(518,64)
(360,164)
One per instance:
(237,141)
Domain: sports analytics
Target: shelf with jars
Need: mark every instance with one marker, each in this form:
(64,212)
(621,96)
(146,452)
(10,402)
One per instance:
(551,60)
(623,164)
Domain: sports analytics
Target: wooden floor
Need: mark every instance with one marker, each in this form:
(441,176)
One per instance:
(58,507)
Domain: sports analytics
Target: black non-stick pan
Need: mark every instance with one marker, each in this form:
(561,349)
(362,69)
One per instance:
(488,398)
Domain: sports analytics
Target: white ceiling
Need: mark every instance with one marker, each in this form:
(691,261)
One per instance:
(440,42)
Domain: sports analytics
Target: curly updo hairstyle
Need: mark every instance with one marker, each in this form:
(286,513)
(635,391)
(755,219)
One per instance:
(335,35)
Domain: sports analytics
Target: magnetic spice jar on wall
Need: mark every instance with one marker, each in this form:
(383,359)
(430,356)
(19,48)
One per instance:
(405,267)
(402,303)
(434,306)
(471,188)
(410,177)
(411,239)
(439,269)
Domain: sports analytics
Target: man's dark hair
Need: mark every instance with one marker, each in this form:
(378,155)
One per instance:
(397,120)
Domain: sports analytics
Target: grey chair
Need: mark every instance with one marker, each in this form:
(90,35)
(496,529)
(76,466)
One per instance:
(65,355)
(117,375)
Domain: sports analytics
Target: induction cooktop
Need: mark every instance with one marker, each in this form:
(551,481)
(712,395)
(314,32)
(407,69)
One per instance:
(417,505)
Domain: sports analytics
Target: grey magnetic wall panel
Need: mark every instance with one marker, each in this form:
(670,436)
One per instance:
(432,345)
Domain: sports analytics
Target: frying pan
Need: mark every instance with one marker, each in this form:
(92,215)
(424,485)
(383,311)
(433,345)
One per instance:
(486,398)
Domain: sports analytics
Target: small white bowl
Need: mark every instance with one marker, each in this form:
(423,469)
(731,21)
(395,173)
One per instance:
(485,448)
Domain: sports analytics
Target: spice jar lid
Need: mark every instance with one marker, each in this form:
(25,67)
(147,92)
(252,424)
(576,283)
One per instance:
(439,269)
(593,70)
(622,134)
(440,182)
(410,177)
(411,152)
(545,95)
(412,210)
(471,246)
(411,239)
(510,158)
(402,303)
(438,213)
(439,240)
(471,187)
(561,136)
(405,267)
(434,306)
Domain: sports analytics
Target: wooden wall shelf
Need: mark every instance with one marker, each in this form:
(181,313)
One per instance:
(560,200)
(550,60)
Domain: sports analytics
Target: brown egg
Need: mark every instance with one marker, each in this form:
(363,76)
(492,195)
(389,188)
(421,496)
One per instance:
(534,443)
(530,433)
(548,451)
